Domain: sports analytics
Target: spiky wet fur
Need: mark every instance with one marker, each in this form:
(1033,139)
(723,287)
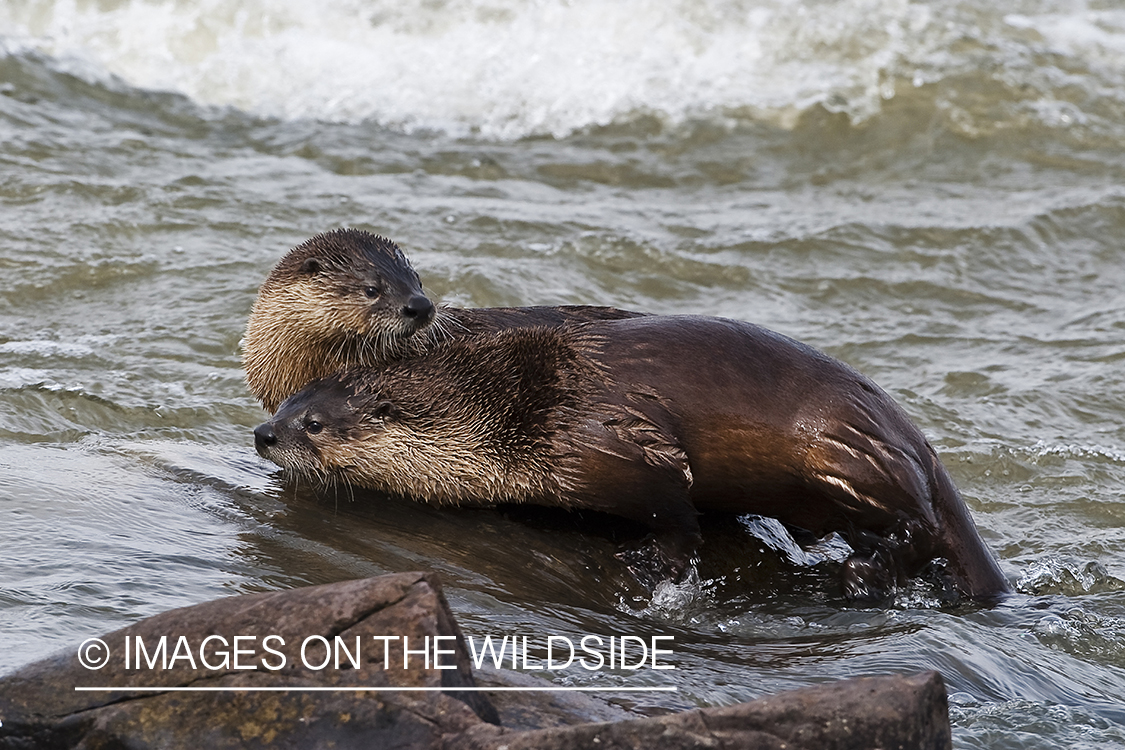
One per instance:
(312,320)
(471,423)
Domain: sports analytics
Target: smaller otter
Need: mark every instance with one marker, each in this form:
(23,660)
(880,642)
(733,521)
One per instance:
(652,419)
(348,298)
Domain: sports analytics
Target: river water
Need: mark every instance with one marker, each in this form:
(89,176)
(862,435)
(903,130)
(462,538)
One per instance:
(930,191)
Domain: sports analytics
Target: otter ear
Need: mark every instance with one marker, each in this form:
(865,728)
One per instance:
(384,410)
(311,266)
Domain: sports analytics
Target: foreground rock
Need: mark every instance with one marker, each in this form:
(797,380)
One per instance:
(40,708)
(892,713)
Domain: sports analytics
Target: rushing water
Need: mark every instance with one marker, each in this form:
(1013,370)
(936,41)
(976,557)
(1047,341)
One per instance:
(931,192)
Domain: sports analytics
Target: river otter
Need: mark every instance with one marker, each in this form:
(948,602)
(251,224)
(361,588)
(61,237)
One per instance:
(652,419)
(350,298)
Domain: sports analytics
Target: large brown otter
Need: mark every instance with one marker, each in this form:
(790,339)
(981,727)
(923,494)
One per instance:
(652,419)
(349,298)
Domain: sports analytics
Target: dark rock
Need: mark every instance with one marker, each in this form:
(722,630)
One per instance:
(860,714)
(40,708)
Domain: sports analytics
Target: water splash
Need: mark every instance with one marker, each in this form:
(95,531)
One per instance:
(1112,452)
(1083,634)
(500,68)
(774,535)
(1058,575)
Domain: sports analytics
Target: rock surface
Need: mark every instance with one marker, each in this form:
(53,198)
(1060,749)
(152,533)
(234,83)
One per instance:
(889,713)
(40,708)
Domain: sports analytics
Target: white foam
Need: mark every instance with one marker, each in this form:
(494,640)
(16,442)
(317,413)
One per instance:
(500,68)
(1089,34)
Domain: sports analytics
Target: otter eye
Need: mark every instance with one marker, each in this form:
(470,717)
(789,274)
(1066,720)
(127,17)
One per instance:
(313,427)
(371,291)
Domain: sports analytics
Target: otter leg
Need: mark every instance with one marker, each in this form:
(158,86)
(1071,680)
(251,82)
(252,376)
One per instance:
(882,496)
(881,563)
(628,465)
(886,480)
(868,578)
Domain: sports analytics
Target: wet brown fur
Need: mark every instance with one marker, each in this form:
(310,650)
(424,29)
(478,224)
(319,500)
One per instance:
(653,419)
(313,317)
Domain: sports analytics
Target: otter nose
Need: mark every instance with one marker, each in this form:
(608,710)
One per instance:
(264,436)
(419,308)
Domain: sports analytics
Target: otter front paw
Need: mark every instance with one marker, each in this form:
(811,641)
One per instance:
(868,577)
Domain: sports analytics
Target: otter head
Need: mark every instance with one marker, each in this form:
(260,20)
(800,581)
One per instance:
(340,299)
(394,431)
(329,430)
(349,284)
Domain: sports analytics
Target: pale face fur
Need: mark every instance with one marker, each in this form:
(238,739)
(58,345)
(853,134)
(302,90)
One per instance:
(331,433)
(339,300)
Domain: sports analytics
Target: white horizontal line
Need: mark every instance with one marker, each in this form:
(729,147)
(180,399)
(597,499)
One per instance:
(661,689)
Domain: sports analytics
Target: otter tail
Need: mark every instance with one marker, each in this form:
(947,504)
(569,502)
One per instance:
(974,569)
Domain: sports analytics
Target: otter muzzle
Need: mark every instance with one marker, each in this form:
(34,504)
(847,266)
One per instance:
(264,438)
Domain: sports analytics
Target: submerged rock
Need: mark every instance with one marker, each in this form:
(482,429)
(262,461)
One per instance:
(393,631)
